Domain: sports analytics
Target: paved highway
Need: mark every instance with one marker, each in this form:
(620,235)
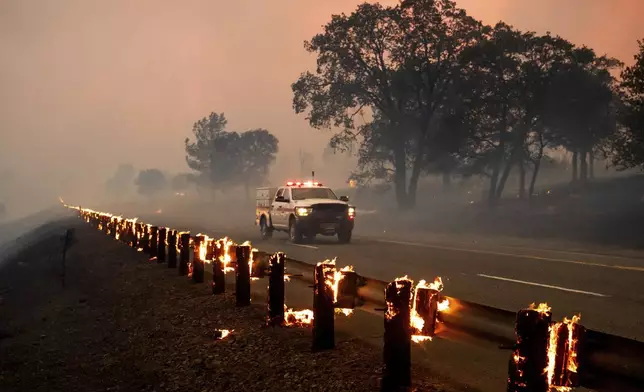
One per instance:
(606,290)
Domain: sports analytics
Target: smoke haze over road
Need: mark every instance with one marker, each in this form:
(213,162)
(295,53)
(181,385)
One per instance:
(87,85)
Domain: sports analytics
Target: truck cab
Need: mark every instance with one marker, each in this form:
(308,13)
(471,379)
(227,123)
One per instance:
(304,210)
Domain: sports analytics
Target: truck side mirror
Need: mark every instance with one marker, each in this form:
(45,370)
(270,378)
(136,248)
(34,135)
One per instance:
(344,198)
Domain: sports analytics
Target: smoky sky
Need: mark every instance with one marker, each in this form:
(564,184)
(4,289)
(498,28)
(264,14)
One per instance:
(88,84)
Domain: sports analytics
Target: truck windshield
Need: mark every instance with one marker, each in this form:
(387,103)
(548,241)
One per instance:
(313,193)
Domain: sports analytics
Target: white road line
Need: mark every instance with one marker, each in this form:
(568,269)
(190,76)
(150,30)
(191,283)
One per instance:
(302,246)
(588,263)
(543,285)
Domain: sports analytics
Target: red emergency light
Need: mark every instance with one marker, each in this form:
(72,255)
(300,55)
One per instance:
(301,184)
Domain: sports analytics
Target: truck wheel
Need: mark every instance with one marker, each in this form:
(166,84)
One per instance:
(266,231)
(293,232)
(344,236)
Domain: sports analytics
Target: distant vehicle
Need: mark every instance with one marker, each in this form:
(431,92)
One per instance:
(303,210)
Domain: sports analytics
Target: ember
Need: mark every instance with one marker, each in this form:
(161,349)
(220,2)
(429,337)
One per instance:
(220,334)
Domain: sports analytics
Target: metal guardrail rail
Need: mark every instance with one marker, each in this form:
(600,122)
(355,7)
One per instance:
(607,362)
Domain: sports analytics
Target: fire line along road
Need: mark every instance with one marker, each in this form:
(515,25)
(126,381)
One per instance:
(605,290)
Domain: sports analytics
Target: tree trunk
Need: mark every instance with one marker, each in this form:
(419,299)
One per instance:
(521,179)
(400,177)
(575,160)
(533,179)
(591,165)
(583,174)
(504,178)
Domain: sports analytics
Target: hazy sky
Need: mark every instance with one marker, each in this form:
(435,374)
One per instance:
(86,84)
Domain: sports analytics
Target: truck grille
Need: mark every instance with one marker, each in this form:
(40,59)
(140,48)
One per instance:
(330,208)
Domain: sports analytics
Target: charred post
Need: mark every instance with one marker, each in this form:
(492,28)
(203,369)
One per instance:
(427,308)
(218,273)
(530,357)
(323,308)
(154,232)
(172,249)
(184,253)
(161,246)
(276,289)
(198,262)
(242,276)
(397,337)
(347,290)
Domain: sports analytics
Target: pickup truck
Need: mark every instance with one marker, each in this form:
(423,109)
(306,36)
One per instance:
(303,210)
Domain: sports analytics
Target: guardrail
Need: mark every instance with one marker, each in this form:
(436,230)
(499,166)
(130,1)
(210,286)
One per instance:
(545,355)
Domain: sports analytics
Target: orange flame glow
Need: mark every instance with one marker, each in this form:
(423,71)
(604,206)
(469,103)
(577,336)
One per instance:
(225,258)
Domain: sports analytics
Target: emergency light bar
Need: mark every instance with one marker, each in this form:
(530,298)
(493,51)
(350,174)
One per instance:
(301,184)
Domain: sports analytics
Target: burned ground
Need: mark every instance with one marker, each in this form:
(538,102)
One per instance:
(124,324)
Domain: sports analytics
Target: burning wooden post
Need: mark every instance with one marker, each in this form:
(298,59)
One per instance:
(114,226)
(145,239)
(242,275)
(154,232)
(347,294)
(218,267)
(161,246)
(172,249)
(397,337)
(184,253)
(323,307)
(135,235)
(276,289)
(530,357)
(563,365)
(198,262)
(105,226)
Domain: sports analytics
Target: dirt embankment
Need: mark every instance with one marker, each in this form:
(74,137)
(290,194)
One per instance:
(124,324)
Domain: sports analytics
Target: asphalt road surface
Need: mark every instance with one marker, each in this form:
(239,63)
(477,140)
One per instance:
(606,290)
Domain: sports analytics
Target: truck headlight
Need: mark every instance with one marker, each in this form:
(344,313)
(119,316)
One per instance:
(303,211)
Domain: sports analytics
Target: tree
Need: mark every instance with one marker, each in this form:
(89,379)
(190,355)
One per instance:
(150,182)
(583,111)
(629,143)
(257,151)
(201,153)
(121,180)
(398,62)
(224,158)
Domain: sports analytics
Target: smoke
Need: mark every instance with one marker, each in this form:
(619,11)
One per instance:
(89,85)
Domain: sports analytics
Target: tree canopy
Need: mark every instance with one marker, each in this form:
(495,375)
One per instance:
(421,87)
(151,182)
(225,158)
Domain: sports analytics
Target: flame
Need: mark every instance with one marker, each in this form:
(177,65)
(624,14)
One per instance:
(224,333)
(571,364)
(416,321)
(297,318)
(334,283)
(420,338)
(203,248)
(225,244)
(543,308)
(443,305)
